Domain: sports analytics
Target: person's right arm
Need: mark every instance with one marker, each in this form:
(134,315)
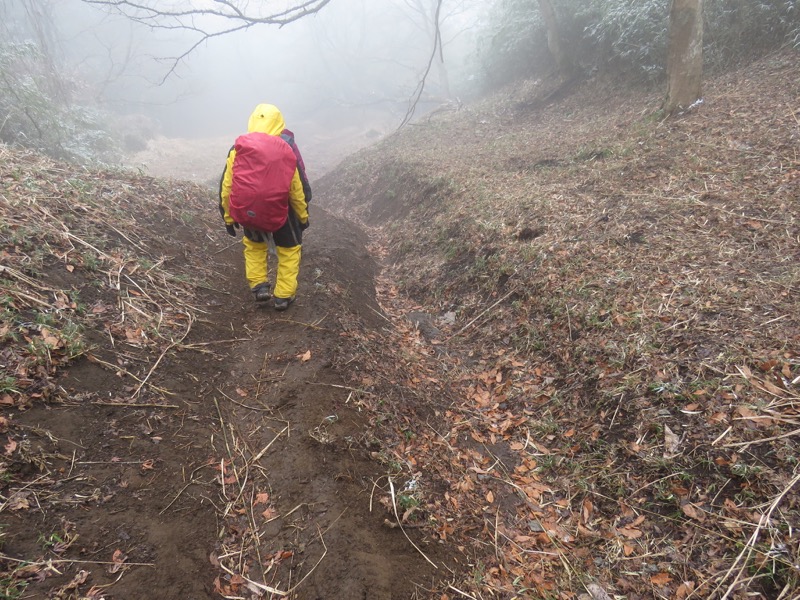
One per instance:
(225,183)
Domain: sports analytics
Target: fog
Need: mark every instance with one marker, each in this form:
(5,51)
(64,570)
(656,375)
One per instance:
(355,64)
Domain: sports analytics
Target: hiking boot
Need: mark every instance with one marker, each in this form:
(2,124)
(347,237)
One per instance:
(283,303)
(262,292)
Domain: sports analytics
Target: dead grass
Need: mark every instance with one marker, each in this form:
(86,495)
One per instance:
(87,270)
(612,397)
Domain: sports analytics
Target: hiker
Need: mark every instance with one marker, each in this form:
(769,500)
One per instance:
(265,191)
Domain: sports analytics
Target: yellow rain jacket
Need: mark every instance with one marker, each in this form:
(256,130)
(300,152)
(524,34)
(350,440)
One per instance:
(266,118)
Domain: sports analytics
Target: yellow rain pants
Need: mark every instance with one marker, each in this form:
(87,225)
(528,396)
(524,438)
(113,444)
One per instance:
(256,267)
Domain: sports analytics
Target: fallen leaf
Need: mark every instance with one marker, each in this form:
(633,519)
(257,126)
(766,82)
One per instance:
(49,339)
(630,533)
(221,589)
(672,443)
(19,501)
(588,510)
(691,511)
(660,579)
(597,592)
(490,497)
(305,357)
(262,498)
(10,447)
(118,559)
(684,590)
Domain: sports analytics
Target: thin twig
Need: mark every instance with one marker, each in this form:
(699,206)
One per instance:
(135,405)
(65,561)
(325,548)
(396,516)
(468,325)
(258,456)
(167,349)
(751,542)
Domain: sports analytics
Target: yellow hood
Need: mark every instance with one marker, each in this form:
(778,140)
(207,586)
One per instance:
(266,118)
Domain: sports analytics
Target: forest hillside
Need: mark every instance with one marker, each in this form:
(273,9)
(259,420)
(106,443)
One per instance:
(603,374)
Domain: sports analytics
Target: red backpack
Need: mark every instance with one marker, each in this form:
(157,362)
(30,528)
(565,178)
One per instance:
(262,176)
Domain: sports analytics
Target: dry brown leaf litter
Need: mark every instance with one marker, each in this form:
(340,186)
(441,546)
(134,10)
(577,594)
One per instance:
(605,385)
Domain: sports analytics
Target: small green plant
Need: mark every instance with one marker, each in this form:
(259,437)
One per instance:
(91,262)
(11,588)
(406,502)
(589,154)
(46,319)
(48,542)
(39,351)
(548,462)
(746,471)
(74,344)
(8,385)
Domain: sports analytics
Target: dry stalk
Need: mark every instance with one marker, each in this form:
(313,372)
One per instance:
(463,593)
(306,576)
(762,440)
(183,489)
(167,349)
(263,370)
(303,324)
(135,405)
(243,405)
(66,561)
(476,319)
(749,547)
(258,456)
(397,517)
(118,369)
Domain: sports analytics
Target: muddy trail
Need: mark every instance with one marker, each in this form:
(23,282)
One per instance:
(229,460)
(327,531)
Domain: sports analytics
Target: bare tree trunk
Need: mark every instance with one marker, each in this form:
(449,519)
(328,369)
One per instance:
(555,42)
(685,54)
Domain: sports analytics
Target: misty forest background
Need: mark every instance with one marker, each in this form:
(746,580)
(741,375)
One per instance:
(87,82)
(590,369)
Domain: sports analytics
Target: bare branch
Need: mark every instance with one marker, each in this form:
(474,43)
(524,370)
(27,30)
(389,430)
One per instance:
(151,14)
(437,49)
(227,16)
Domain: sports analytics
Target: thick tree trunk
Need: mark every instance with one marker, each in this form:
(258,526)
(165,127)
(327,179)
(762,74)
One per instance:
(555,42)
(685,55)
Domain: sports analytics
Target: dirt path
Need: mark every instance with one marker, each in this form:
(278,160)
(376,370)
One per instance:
(286,395)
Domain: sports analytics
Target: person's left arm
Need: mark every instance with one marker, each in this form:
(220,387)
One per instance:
(297,198)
